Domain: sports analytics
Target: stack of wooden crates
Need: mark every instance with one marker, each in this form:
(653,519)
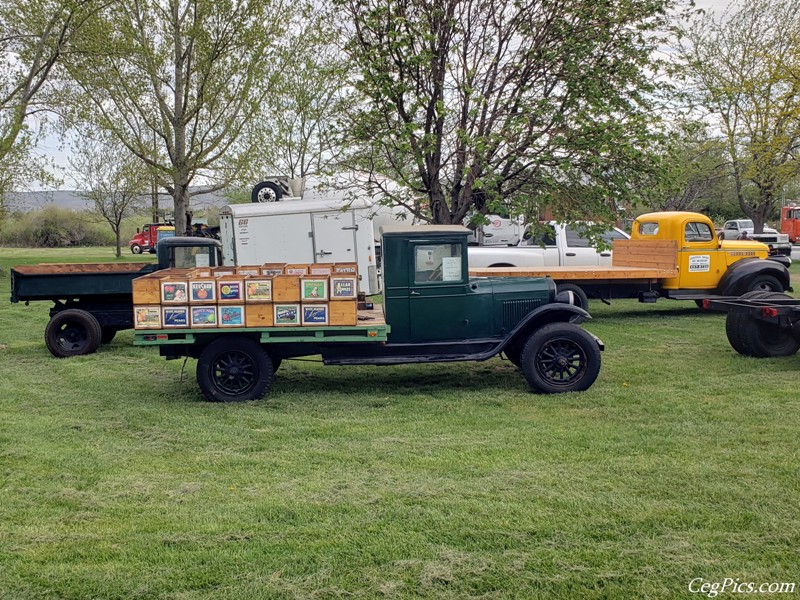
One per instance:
(270,295)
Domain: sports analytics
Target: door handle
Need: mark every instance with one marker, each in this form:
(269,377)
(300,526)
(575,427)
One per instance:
(413,293)
(605,254)
(323,253)
(571,254)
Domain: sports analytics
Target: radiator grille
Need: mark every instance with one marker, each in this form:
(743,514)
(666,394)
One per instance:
(515,310)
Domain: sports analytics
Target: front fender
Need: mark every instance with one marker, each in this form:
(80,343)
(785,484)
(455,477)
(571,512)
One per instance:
(549,313)
(739,273)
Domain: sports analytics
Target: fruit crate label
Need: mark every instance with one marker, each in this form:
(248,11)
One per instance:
(315,314)
(259,290)
(230,290)
(176,316)
(202,291)
(343,287)
(314,289)
(204,316)
(173,291)
(231,316)
(287,314)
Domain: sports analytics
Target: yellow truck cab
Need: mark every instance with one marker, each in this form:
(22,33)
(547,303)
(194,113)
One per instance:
(706,263)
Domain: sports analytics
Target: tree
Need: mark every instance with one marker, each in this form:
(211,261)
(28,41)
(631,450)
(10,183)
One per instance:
(111,177)
(34,35)
(470,103)
(189,73)
(294,133)
(743,69)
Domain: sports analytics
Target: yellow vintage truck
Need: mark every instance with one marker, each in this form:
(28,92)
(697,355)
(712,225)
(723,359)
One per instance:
(670,254)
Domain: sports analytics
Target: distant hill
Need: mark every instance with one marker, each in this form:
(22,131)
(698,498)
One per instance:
(72,200)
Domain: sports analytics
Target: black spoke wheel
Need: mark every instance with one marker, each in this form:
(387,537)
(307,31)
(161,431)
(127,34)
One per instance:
(234,369)
(72,332)
(560,357)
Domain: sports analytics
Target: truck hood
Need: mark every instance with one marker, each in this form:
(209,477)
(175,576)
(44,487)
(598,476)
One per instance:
(744,245)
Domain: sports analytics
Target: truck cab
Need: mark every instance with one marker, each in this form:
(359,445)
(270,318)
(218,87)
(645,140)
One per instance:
(790,223)
(147,239)
(704,262)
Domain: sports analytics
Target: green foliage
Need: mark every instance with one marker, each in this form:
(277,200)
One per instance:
(742,69)
(546,103)
(53,227)
(446,481)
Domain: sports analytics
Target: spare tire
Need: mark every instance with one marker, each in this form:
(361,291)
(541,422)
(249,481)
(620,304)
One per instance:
(266,191)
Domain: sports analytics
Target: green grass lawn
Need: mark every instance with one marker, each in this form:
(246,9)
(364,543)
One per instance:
(118,480)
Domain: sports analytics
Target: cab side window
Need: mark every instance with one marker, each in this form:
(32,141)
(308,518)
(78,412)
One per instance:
(540,236)
(698,232)
(575,238)
(437,263)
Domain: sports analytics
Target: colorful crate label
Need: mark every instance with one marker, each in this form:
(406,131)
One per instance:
(247,271)
(343,287)
(287,314)
(259,290)
(204,316)
(319,270)
(202,291)
(231,316)
(315,314)
(230,291)
(345,268)
(147,317)
(174,291)
(314,289)
(176,316)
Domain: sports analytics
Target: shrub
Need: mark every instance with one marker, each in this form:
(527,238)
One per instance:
(54,227)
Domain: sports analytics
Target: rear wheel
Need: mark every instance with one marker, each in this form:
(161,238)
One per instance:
(560,357)
(736,324)
(581,300)
(72,332)
(234,369)
(764,339)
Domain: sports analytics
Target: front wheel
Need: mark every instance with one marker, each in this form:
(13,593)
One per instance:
(72,332)
(560,357)
(234,369)
(136,249)
(764,283)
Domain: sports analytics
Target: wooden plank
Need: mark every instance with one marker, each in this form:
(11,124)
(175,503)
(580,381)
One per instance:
(659,254)
(592,274)
(60,268)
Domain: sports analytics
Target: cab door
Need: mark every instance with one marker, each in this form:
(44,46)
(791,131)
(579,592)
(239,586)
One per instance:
(701,263)
(437,304)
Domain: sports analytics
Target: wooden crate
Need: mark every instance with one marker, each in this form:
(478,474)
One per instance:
(230,290)
(314,288)
(345,269)
(203,290)
(320,269)
(223,271)
(314,314)
(296,269)
(657,254)
(286,314)
(343,313)
(259,315)
(272,269)
(232,315)
(147,317)
(248,270)
(174,290)
(343,287)
(286,288)
(147,290)
(257,289)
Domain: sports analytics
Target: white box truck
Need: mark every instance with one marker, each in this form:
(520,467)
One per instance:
(302,231)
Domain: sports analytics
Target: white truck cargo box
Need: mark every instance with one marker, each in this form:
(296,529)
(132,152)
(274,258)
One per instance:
(302,231)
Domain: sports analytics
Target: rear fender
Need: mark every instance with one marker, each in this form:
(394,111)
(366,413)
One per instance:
(737,275)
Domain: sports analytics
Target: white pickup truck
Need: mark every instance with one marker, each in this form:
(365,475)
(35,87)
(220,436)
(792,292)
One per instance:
(555,244)
(738,229)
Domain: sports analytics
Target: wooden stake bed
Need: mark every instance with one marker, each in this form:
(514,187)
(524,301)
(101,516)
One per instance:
(633,260)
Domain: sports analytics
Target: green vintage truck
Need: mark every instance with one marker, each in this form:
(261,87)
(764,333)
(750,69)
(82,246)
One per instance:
(432,311)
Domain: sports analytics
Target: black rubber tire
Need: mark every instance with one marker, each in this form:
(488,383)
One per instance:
(736,323)
(763,283)
(764,339)
(560,357)
(266,191)
(581,299)
(72,332)
(107,334)
(136,249)
(234,369)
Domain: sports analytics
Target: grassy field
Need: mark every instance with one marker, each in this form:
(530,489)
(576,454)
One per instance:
(446,481)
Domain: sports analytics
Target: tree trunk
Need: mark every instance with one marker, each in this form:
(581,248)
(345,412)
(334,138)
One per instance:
(119,241)
(180,199)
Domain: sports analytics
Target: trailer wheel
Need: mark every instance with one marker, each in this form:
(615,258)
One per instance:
(764,283)
(581,300)
(72,332)
(234,369)
(266,191)
(560,357)
(765,339)
(136,249)
(736,324)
